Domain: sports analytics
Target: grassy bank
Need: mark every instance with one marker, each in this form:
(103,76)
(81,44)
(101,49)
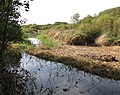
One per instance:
(12,53)
(84,58)
(47,41)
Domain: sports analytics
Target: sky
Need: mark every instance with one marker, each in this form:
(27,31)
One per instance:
(51,11)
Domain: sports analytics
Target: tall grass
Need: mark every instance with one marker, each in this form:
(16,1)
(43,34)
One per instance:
(47,41)
(102,40)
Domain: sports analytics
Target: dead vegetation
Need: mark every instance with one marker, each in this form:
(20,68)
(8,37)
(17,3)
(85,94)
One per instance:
(102,40)
(103,61)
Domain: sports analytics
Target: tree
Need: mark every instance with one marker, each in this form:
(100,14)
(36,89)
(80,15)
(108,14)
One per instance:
(75,18)
(9,21)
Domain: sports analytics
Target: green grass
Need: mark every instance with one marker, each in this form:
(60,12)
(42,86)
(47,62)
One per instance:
(24,44)
(47,41)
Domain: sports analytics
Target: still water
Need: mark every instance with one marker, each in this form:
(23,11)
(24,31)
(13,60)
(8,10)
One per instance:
(52,78)
(35,41)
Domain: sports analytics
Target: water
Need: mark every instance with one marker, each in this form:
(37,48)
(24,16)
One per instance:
(51,78)
(35,41)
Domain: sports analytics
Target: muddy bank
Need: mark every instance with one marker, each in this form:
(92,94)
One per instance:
(102,61)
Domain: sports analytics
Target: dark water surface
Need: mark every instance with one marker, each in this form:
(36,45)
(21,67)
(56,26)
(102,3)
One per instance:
(51,78)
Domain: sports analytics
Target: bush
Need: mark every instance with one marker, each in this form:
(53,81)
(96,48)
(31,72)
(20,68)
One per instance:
(113,38)
(89,33)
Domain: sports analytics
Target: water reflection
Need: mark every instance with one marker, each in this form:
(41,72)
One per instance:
(14,81)
(35,41)
(50,78)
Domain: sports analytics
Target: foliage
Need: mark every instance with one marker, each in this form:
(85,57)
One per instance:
(111,12)
(47,41)
(14,79)
(58,23)
(30,30)
(87,31)
(75,18)
(9,21)
(107,22)
(87,19)
(12,55)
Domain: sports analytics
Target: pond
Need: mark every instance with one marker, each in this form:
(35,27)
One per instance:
(52,78)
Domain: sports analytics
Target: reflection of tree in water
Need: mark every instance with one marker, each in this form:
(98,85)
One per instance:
(13,81)
(71,80)
(39,77)
(54,78)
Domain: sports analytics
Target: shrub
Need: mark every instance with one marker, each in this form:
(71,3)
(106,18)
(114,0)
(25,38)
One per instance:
(89,32)
(113,38)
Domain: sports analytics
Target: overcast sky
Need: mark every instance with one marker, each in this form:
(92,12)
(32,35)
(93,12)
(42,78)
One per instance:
(50,11)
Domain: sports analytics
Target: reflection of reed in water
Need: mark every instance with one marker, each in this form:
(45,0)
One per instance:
(13,81)
(39,77)
(55,78)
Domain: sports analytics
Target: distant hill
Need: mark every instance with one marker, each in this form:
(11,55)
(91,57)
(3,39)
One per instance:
(111,12)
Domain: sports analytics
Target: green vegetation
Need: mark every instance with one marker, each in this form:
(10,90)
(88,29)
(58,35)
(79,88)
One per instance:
(88,31)
(9,22)
(47,41)
(11,56)
(75,18)
(101,30)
